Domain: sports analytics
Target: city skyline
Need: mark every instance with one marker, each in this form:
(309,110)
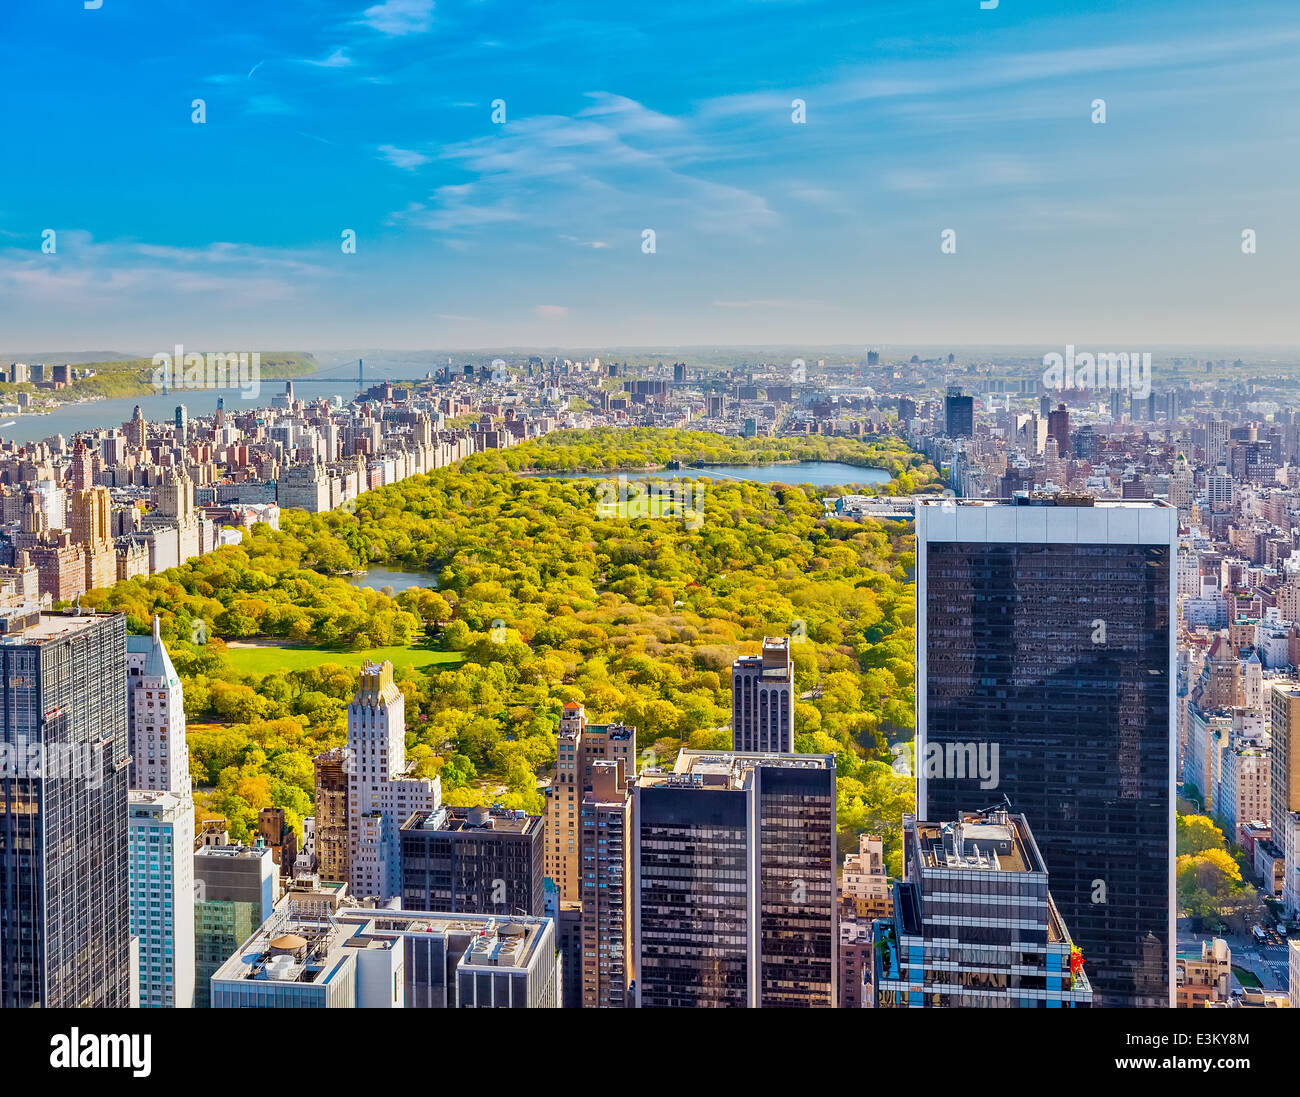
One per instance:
(763,504)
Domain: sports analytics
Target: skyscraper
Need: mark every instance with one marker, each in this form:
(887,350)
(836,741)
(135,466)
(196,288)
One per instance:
(381,793)
(162,897)
(605,822)
(155,723)
(161,824)
(64,908)
(1284,789)
(974,923)
(472,860)
(735,858)
(579,745)
(236,888)
(1058,427)
(1045,672)
(332,816)
(958,415)
(762,699)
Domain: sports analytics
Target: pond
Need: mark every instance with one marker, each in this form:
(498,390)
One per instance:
(817,473)
(378,578)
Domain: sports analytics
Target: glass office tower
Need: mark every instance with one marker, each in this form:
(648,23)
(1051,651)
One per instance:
(735,863)
(1045,673)
(64,916)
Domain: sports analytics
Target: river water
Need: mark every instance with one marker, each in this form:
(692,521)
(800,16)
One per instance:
(331,380)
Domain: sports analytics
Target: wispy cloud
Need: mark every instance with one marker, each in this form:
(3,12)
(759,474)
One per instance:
(551,312)
(86,273)
(457,208)
(399,17)
(615,163)
(406,159)
(339,59)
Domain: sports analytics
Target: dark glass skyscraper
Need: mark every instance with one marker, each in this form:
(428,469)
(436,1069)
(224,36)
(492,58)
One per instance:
(1045,673)
(64,902)
(958,415)
(474,860)
(734,862)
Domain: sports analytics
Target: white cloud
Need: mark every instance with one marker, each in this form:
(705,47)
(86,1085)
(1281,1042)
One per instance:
(336,60)
(406,159)
(614,165)
(90,275)
(551,312)
(397,17)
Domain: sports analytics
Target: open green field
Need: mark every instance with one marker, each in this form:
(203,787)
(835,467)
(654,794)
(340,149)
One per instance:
(1246,978)
(265,659)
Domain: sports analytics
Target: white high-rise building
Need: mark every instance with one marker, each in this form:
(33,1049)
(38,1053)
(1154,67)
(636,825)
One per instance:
(161,825)
(1218,489)
(381,796)
(161,881)
(155,717)
(1216,442)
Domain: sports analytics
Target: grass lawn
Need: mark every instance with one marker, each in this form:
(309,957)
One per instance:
(269,658)
(204,725)
(1246,978)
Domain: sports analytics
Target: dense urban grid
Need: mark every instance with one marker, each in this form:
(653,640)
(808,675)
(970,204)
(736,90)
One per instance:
(1092,798)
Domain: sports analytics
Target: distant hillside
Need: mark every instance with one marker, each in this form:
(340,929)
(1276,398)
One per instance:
(134,376)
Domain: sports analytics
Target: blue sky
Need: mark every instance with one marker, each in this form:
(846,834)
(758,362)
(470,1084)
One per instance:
(922,116)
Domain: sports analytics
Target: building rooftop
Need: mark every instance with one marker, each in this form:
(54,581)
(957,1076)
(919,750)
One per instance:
(616,732)
(150,802)
(233,851)
(312,948)
(31,625)
(993,841)
(465,819)
(729,770)
(1043,499)
(158,663)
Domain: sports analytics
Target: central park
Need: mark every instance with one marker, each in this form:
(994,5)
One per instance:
(540,596)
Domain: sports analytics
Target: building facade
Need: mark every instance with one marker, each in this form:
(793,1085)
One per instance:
(161,878)
(735,863)
(332,816)
(474,860)
(579,745)
(974,923)
(605,840)
(762,699)
(381,793)
(235,890)
(1046,673)
(65,937)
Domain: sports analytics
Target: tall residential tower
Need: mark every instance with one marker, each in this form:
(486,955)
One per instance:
(381,793)
(161,825)
(762,699)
